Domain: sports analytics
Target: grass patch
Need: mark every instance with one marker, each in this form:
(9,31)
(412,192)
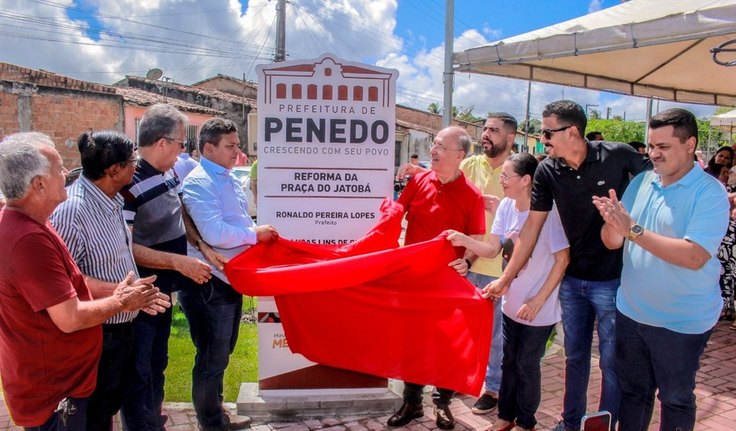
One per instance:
(243,365)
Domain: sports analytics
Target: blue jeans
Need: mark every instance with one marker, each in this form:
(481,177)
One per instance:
(72,418)
(495,355)
(213,310)
(145,393)
(582,303)
(650,358)
(521,385)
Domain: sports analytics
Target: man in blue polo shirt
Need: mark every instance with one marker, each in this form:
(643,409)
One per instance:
(674,219)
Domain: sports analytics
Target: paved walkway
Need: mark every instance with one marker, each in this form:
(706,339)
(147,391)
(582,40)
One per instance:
(716,392)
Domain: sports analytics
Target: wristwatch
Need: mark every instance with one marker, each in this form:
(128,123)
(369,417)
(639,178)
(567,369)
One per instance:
(635,232)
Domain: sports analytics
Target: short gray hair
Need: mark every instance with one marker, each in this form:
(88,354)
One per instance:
(159,121)
(21,161)
(463,140)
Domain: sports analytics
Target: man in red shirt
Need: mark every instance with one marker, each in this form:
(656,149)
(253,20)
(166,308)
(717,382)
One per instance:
(435,201)
(50,337)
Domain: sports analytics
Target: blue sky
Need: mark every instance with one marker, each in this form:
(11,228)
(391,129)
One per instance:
(104,40)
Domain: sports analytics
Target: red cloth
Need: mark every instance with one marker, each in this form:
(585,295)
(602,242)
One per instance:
(433,207)
(39,364)
(399,313)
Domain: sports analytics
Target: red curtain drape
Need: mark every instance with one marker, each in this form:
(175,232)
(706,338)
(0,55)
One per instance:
(371,307)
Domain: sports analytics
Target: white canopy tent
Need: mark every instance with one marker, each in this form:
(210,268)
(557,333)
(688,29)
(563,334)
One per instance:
(725,121)
(648,48)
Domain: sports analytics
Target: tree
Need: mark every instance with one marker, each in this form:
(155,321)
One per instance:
(617,130)
(535,126)
(466,114)
(461,113)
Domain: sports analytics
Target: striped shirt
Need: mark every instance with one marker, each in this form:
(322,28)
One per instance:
(153,207)
(92,226)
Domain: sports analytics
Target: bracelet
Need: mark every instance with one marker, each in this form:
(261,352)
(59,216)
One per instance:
(469,263)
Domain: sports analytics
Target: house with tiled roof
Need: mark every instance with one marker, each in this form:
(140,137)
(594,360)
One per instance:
(230,106)
(64,107)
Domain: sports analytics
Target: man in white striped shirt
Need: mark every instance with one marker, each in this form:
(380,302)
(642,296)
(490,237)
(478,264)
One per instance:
(91,224)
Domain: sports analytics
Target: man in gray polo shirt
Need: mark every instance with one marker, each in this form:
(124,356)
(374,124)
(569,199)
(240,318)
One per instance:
(91,224)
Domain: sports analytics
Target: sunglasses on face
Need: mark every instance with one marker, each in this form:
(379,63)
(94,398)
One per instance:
(547,133)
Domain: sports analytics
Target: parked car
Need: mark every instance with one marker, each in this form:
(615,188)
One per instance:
(72,176)
(243,173)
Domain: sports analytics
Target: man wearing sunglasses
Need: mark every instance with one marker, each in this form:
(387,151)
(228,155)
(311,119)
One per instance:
(576,170)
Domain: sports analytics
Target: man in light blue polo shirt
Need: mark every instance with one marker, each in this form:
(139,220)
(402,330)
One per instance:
(674,219)
(214,198)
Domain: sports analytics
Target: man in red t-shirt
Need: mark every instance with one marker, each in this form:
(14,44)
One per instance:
(435,201)
(50,336)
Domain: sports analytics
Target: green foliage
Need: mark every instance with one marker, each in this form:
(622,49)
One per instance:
(243,365)
(466,114)
(461,113)
(535,126)
(618,130)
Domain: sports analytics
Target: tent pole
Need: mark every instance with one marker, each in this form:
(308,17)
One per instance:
(646,123)
(526,124)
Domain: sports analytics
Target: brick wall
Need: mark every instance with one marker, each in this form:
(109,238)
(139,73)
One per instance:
(8,114)
(65,115)
(61,114)
(434,121)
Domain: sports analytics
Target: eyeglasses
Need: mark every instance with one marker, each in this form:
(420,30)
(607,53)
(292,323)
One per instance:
(131,161)
(504,178)
(182,144)
(547,133)
(442,148)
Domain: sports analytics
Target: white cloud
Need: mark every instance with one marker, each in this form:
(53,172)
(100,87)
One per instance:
(191,40)
(595,6)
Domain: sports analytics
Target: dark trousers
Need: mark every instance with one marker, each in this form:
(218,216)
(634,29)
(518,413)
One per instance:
(648,359)
(521,377)
(106,400)
(440,397)
(213,310)
(70,416)
(145,393)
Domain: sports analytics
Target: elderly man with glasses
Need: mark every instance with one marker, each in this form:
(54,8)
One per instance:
(576,170)
(153,212)
(435,201)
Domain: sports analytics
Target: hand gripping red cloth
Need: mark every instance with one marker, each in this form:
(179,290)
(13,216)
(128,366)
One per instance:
(400,313)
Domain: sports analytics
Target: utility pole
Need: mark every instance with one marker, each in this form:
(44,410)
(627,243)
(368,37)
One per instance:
(588,105)
(448,77)
(280,31)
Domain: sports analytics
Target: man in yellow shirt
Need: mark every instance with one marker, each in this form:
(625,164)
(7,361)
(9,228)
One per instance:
(484,170)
